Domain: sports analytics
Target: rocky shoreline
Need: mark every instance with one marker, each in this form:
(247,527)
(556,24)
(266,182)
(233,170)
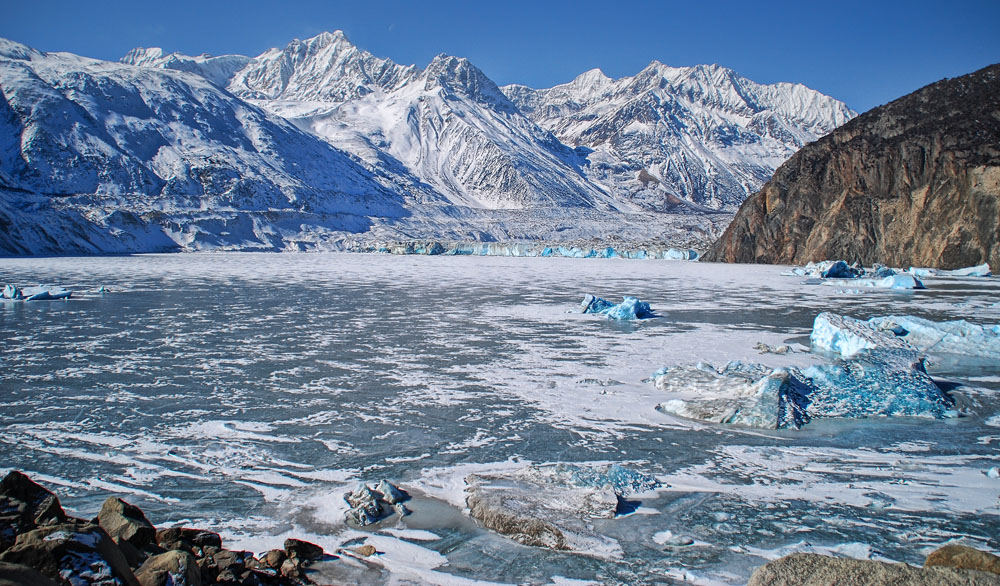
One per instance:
(40,545)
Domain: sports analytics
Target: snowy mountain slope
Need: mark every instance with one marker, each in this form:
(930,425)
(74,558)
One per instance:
(218,70)
(701,134)
(448,128)
(110,141)
(454,129)
(82,126)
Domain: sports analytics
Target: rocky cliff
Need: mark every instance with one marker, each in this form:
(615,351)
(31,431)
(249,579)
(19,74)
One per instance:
(914,182)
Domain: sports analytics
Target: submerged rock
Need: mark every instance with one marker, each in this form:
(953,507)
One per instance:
(629,309)
(808,569)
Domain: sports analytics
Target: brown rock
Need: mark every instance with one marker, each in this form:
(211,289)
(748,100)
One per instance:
(189,539)
(291,568)
(174,568)
(807,569)
(228,560)
(125,522)
(305,551)
(18,575)
(365,550)
(273,558)
(967,558)
(914,182)
(71,548)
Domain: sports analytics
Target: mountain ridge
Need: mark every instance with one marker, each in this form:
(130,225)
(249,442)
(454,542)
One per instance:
(913,182)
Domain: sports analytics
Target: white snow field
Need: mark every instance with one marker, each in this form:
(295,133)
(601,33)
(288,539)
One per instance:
(248,392)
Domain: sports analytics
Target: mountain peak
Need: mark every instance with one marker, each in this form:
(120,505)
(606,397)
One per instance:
(326,67)
(14,50)
(142,56)
(459,75)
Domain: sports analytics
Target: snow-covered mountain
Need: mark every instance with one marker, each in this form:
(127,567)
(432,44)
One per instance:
(448,125)
(325,68)
(320,143)
(701,134)
(114,137)
(218,70)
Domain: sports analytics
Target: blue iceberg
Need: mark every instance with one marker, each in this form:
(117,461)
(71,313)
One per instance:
(876,373)
(629,309)
(40,293)
(957,337)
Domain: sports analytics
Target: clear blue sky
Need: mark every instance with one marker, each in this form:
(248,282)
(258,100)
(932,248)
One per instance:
(865,53)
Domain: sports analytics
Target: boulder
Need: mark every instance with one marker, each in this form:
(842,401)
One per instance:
(291,568)
(18,575)
(962,557)
(173,568)
(187,539)
(807,569)
(81,550)
(273,558)
(303,550)
(30,502)
(125,522)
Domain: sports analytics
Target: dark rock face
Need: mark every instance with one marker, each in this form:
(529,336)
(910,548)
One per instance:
(76,549)
(914,182)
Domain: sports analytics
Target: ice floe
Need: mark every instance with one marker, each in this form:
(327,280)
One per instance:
(629,309)
(39,293)
(982,270)
(948,337)
(876,374)
(371,506)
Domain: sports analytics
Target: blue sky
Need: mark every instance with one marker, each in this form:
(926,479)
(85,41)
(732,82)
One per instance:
(865,53)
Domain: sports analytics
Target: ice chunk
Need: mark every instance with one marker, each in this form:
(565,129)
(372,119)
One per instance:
(630,308)
(552,505)
(675,254)
(923,273)
(902,281)
(950,337)
(880,271)
(845,336)
(740,393)
(12,292)
(877,382)
(982,270)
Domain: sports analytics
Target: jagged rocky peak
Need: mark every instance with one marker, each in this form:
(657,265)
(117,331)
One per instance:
(914,182)
(326,67)
(458,74)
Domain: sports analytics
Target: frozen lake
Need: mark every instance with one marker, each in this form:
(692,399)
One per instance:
(248,392)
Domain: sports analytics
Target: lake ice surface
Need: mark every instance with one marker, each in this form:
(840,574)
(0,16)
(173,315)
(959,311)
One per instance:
(248,392)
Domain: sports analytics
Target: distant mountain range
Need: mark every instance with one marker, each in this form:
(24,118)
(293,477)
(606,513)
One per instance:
(319,143)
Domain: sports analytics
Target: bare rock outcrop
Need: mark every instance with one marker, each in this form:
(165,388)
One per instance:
(809,569)
(913,182)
